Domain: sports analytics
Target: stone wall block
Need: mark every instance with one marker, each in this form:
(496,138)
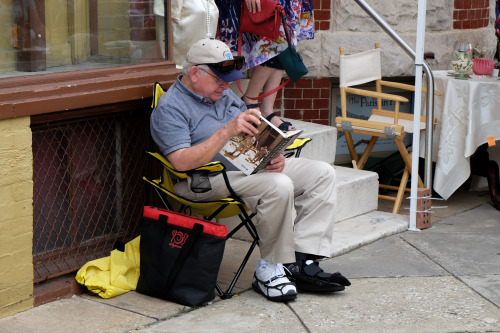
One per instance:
(311,54)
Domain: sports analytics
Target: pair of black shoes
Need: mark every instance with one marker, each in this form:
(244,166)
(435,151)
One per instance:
(309,277)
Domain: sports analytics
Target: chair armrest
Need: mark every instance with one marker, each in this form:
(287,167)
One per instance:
(210,167)
(404,86)
(374,94)
(365,125)
(296,147)
(298,143)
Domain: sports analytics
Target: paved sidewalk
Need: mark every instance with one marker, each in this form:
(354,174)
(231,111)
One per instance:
(442,279)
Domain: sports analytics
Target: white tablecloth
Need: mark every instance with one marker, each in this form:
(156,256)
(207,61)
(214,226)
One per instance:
(467,112)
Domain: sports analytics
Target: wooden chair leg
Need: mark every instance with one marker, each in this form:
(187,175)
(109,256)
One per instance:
(401,191)
(367,152)
(407,159)
(350,146)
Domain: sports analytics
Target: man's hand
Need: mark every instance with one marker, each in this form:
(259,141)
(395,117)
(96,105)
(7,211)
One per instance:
(277,164)
(253,5)
(196,156)
(244,123)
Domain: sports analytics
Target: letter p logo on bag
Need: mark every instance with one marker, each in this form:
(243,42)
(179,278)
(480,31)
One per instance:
(178,239)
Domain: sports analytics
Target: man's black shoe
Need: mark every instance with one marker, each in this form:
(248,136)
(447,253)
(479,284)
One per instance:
(310,277)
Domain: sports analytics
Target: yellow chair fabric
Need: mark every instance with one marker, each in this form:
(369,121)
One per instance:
(222,208)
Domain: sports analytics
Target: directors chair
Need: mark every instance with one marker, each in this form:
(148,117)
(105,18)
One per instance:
(362,68)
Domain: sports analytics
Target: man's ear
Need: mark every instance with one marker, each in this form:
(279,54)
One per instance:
(194,73)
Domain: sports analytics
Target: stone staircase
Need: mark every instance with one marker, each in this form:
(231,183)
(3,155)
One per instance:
(357,220)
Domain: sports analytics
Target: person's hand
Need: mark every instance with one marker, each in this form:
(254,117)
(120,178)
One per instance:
(246,122)
(253,5)
(277,164)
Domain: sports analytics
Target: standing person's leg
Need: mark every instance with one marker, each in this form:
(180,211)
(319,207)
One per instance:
(264,79)
(260,75)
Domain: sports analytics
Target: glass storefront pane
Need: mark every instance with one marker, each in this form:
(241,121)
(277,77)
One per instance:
(45,36)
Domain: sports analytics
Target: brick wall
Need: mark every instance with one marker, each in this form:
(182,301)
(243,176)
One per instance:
(471,14)
(307,99)
(322,14)
(16,220)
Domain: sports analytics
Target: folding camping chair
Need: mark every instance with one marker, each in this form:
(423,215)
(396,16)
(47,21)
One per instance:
(362,68)
(231,206)
(222,208)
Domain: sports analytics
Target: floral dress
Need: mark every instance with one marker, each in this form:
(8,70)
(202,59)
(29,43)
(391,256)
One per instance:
(256,49)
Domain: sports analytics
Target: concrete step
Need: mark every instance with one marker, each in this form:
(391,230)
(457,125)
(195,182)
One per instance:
(357,192)
(324,140)
(363,229)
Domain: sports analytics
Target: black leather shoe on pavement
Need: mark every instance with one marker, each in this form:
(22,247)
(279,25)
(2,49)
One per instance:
(310,277)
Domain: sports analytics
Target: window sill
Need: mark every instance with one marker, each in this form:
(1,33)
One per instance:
(47,93)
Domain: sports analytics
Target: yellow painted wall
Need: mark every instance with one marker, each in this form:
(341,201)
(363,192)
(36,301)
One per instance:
(16,220)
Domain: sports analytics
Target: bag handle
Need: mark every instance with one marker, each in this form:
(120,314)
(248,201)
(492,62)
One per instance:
(286,32)
(183,254)
(272,91)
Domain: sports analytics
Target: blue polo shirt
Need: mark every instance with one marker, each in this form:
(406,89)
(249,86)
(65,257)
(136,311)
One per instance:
(183,119)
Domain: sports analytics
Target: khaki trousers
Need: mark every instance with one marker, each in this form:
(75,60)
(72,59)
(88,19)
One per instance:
(295,209)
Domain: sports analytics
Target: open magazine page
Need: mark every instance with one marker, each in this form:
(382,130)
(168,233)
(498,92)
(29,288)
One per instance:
(251,154)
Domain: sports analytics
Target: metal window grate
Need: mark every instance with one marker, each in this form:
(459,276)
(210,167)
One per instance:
(88,192)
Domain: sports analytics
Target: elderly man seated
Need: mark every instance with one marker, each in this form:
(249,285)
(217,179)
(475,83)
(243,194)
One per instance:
(294,199)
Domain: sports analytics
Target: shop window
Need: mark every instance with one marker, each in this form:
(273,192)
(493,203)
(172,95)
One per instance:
(44,36)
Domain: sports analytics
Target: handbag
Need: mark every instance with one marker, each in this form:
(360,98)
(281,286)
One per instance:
(265,23)
(292,60)
(180,256)
(274,13)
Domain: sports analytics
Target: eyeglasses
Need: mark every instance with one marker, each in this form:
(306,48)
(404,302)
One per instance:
(218,80)
(228,65)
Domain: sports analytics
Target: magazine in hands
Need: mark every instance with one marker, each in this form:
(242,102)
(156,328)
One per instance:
(251,154)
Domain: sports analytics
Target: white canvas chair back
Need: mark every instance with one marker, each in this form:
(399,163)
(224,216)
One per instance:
(360,68)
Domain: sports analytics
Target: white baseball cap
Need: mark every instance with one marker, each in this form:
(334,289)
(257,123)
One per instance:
(212,52)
